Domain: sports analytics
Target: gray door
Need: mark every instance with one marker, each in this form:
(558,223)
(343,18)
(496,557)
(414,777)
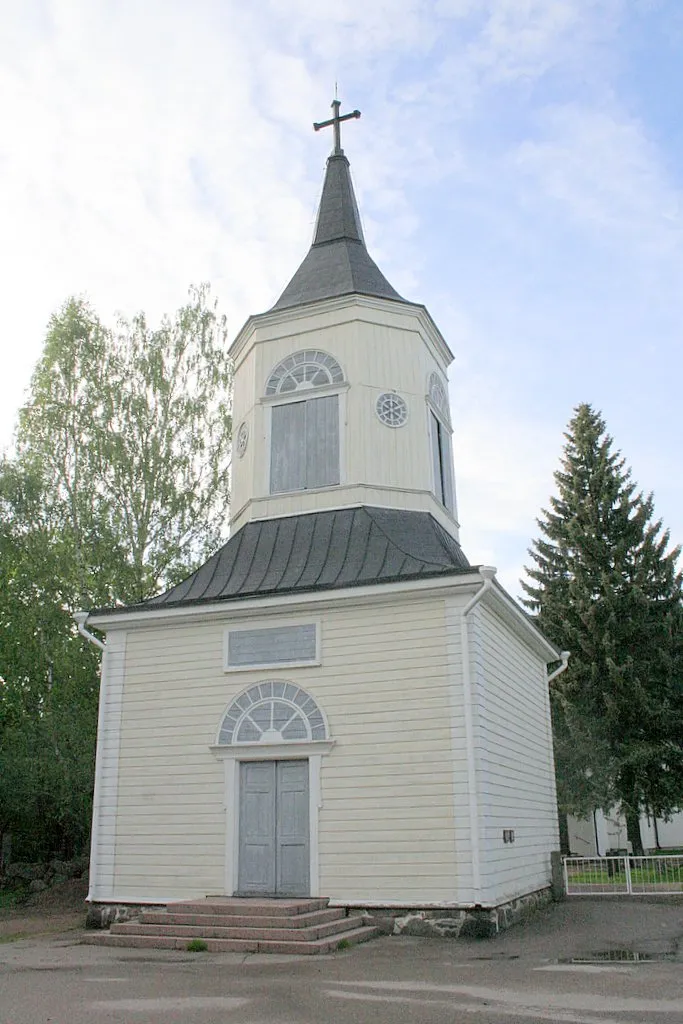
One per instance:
(273,828)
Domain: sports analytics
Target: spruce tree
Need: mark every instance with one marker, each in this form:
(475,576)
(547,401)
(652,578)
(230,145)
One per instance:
(605,586)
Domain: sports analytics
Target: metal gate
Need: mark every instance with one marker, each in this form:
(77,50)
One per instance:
(620,876)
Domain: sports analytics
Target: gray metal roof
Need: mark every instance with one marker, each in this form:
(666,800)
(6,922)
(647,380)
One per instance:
(319,551)
(338,262)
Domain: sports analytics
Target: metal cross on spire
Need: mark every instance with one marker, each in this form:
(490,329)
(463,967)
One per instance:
(336,121)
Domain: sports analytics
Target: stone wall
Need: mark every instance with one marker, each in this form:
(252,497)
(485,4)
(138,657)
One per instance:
(36,877)
(454,922)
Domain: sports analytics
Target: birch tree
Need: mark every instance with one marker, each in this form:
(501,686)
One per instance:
(119,486)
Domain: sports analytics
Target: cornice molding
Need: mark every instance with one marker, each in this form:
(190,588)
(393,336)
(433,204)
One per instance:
(291,320)
(245,608)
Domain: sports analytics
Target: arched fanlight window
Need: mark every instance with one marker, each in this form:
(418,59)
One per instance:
(302,371)
(272,712)
(437,393)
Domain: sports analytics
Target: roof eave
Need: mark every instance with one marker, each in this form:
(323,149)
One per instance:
(239,607)
(520,622)
(292,313)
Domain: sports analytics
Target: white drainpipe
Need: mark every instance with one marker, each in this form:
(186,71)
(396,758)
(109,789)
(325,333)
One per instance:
(487,572)
(564,656)
(81,618)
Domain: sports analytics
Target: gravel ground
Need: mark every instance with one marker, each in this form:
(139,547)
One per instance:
(61,908)
(528,975)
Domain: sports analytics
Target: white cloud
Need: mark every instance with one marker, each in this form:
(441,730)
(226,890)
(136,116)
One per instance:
(602,167)
(138,163)
(526,38)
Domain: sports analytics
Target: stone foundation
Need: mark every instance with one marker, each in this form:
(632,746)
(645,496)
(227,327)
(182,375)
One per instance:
(432,922)
(454,922)
(102,915)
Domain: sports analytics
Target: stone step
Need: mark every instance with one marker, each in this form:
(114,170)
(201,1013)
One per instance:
(328,945)
(167,942)
(316,917)
(279,933)
(323,945)
(250,907)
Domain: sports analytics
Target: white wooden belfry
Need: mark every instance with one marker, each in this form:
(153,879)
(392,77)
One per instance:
(336,703)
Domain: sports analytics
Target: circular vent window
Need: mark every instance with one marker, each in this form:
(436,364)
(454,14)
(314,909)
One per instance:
(391,409)
(242,439)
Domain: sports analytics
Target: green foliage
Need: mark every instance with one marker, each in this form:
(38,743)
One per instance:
(10,898)
(118,488)
(606,587)
(48,680)
(197,946)
(131,432)
(46,773)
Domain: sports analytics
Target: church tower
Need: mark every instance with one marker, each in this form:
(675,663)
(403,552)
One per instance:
(336,705)
(341,396)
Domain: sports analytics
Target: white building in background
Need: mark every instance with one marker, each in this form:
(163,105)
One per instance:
(600,833)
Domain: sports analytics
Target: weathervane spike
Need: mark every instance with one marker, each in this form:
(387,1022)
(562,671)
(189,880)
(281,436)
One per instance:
(335,121)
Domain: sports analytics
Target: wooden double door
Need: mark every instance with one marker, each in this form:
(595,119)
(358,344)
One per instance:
(274,829)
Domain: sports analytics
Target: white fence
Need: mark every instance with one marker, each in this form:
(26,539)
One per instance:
(619,876)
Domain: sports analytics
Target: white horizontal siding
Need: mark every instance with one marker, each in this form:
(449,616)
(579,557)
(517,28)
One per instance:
(385,694)
(386,821)
(103,837)
(458,765)
(513,740)
(170,820)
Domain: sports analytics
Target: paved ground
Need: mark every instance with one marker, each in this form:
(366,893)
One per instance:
(519,977)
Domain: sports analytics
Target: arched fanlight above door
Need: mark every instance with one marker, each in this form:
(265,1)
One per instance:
(272,712)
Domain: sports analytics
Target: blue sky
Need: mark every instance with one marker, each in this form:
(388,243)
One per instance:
(518,167)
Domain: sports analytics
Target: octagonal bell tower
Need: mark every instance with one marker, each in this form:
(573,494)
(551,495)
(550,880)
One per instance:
(341,396)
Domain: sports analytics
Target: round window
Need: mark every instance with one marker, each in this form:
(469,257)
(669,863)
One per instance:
(391,409)
(242,439)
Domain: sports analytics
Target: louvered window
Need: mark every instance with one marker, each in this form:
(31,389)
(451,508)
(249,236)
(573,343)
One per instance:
(442,462)
(304,446)
(304,434)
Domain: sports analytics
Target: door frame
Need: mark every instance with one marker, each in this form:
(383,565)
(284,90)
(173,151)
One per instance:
(312,752)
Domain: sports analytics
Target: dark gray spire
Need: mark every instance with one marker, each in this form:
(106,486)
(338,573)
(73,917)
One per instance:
(338,215)
(338,262)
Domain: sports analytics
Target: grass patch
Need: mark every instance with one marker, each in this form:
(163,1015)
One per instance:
(639,876)
(343,944)
(197,946)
